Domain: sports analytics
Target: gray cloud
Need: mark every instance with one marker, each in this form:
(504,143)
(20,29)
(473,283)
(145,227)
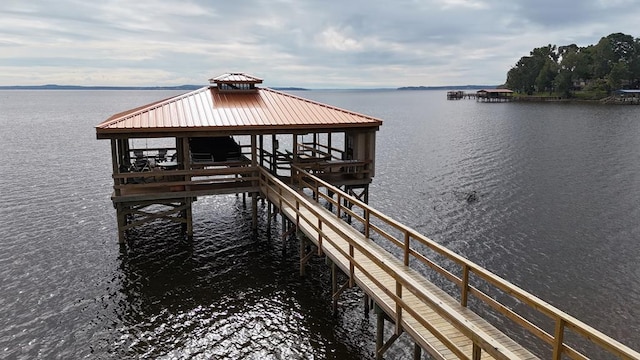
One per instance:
(299,43)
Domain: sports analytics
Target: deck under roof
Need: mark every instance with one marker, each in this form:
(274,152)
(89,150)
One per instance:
(209,110)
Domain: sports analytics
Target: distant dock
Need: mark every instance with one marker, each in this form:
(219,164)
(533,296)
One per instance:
(483,95)
(459,95)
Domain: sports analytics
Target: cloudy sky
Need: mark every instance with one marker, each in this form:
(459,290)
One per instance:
(315,44)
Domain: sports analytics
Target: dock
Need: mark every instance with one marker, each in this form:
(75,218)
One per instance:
(459,95)
(313,163)
(483,95)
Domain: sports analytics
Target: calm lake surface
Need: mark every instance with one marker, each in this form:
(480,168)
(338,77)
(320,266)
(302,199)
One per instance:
(558,215)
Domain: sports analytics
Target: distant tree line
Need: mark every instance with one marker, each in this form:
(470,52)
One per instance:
(613,63)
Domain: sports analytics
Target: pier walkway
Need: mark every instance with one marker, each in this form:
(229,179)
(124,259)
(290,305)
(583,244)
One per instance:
(392,272)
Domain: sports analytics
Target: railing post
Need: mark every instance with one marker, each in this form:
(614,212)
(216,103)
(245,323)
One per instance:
(398,308)
(319,237)
(339,201)
(297,213)
(476,352)
(464,296)
(366,222)
(558,339)
(316,191)
(294,174)
(351,266)
(406,248)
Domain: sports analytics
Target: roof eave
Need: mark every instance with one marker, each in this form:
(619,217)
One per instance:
(110,133)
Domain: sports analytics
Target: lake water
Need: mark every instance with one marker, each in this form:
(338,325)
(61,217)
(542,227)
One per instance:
(557,214)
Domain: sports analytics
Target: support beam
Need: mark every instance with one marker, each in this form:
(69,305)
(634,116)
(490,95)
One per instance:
(134,214)
(335,290)
(304,255)
(366,306)
(417,352)
(268,216)
(255,158)
(381,345)
(379,334)
(189,217)
(254,212)
(274,150)
(122,222)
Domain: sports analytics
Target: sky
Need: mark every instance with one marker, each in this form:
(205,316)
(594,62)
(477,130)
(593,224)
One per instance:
(313,44)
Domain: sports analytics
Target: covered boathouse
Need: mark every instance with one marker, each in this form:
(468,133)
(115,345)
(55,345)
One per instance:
(494,95)
(212,140)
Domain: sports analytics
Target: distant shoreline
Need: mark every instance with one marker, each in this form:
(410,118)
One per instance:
(195,87)
(78,87)
(454,87)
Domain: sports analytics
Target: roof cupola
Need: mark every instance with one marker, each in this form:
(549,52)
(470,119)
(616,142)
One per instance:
(236,82)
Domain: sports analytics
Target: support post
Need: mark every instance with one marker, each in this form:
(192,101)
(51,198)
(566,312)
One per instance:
(366,306)
(254,213)
(334,286)
(381,345)
(189,217)
(261,149)
(330,194)
(122,222)
(186,159)
(302,256)
(268,217)
(115,144)
(417,351)
(254,165)
(274,149)
(379,333)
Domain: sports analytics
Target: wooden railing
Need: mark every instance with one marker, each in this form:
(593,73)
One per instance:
(468,277)
(324,149)
(319,221)
(131,183)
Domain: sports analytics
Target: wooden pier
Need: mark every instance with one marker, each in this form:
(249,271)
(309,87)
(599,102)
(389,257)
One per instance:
(459,95)
(313,164)
(484,95)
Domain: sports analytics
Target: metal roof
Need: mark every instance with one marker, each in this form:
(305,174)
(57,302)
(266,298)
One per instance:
(505,91)
(210,110)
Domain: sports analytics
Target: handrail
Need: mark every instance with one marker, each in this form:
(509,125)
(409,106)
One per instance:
(193,172)
(562,320)
(329,150)
(135,183)
(402,281)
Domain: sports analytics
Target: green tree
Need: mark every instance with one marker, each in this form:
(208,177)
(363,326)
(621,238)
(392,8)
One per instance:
(526,75)
(546,76)
(518,78)
(612,63)
(618,75)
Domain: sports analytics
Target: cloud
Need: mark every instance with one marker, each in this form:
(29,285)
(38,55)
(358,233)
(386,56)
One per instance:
(291,43)
(334,39)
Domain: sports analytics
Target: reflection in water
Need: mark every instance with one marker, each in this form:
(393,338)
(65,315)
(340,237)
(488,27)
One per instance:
(225,294)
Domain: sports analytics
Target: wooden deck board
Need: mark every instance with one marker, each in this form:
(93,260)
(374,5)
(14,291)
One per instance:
(419,332)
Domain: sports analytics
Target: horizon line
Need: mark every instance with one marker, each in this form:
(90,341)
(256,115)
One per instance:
(195,87)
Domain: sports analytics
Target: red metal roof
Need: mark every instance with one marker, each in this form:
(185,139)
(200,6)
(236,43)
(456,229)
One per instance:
(497,91)
(209,109)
